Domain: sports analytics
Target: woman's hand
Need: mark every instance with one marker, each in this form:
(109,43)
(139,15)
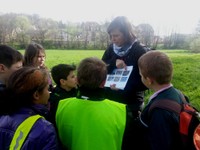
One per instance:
(120,64)
(113,87)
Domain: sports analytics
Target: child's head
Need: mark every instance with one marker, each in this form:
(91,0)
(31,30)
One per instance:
(34,55)
(157,66)
(25,87)
(91,73)
(64,77)
(29,85)
(10,61)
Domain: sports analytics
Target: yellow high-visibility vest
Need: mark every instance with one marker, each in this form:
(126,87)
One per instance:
(22,131)
(100,127)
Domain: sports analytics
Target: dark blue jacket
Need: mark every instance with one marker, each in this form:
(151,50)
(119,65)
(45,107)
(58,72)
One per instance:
(162,130)
(41,137)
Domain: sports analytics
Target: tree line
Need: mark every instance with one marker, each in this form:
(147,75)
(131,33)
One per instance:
(18,30)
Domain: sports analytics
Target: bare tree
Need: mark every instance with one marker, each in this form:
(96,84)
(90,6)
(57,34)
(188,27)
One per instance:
(145,34)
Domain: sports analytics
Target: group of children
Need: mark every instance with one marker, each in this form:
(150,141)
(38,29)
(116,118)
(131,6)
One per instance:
(81,117)
(79,113)
(24,95)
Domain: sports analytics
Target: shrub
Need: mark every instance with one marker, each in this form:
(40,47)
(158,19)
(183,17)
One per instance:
(195,45)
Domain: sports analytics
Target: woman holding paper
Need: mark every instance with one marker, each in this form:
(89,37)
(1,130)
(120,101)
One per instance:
(125,51)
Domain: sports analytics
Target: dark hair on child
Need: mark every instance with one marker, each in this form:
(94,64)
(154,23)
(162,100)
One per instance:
(61,71)
(9,55)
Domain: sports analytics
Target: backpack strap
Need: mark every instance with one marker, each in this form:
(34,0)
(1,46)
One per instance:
(167,105)
(184,98)
(170,104)
(22,131)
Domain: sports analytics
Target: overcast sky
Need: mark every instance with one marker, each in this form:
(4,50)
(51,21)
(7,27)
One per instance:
(165,16)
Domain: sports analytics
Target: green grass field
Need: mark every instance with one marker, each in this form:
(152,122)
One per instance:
(69,56)
(186,68)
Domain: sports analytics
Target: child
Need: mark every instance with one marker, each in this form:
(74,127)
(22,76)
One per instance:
(10,61)
(35,56)
(66,86)
(89,121)
(161,125)
(27,97)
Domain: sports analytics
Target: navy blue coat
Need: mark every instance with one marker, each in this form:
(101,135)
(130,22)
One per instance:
(161,126)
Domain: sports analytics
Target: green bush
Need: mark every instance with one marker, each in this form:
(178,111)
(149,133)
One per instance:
(195,46)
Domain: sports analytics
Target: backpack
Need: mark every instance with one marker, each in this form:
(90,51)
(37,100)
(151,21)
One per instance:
(196,137)
(188,118)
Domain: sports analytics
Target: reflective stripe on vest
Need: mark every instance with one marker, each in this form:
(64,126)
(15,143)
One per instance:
(22,131)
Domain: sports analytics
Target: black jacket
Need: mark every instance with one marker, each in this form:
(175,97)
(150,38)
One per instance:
(133,93)
(56,95)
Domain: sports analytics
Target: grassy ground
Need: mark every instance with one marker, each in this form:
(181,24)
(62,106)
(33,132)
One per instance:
(69,56)
(186,68)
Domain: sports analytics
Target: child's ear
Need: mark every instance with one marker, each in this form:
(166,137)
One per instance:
(62,81)
(2,68)
(102,84)
(36,96)
(149,80)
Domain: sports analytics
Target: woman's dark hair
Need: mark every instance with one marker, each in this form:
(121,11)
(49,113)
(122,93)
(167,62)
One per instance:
(124,26)
(20,88)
